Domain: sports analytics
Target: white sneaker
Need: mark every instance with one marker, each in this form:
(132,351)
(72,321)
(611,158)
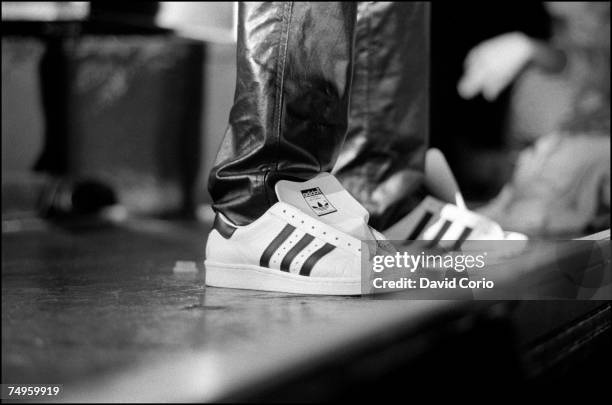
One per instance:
(446,218)
(307,243)
(437,221)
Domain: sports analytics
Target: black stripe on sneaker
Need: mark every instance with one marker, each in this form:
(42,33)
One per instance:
(420,226)
(441,232)
(301,245)
(275,244)
(464,235)
(314,258)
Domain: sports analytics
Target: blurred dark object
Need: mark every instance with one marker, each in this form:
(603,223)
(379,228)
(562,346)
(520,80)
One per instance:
(130,11)
(53,79)
(121,101)
(66,198)
(470,133)
(134,117)
(128,17)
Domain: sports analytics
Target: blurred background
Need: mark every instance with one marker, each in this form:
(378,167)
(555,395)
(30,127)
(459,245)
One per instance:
(130,98)
(124,105)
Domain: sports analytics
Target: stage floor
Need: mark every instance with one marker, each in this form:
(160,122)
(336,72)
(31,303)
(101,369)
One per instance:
(102,311)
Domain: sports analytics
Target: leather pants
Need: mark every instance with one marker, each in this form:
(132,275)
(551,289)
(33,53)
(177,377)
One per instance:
(322,86)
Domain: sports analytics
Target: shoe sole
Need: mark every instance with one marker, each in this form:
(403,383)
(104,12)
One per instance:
(249,277)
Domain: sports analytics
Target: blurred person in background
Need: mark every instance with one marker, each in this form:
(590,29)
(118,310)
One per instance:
(561,185)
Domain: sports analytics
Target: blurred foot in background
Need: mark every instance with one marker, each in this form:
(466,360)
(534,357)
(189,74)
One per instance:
(69,199)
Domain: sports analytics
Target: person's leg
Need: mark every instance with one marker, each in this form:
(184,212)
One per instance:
(290,110)
(382,161)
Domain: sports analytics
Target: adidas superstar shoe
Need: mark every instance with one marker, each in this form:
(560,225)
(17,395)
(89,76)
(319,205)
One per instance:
(436,221)
(446,218)
(309,242)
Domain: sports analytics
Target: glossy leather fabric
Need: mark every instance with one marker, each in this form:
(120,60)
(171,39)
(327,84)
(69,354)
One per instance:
(382,160)
(291,109)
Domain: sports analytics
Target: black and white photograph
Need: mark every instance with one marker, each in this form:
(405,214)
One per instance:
(257,202)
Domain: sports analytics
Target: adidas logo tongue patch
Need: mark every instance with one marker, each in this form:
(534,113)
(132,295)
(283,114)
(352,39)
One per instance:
(317,201)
